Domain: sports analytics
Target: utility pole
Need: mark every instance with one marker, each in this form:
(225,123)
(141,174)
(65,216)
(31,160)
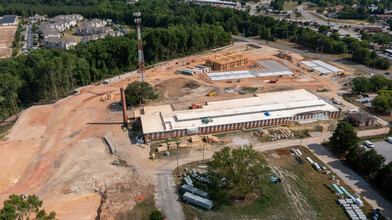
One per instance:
(318,40)
(138,20)
(374,65)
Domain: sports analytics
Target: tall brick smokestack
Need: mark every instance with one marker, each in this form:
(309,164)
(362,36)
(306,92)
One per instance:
(124,106)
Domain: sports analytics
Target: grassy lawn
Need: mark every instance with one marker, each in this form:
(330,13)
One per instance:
(301,195)
(290,6)
(141,211)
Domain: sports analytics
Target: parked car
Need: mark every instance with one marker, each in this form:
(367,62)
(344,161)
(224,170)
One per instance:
(387,73)
(365,95)
(306,51)
(365,101)
(389,139)
(369,144)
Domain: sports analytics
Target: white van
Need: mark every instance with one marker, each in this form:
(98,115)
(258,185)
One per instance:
(369,144)
(389,139)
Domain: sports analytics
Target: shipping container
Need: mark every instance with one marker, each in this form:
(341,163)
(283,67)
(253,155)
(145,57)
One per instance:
(197,200)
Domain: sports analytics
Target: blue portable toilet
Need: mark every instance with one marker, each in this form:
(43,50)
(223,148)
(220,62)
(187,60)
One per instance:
(267,113)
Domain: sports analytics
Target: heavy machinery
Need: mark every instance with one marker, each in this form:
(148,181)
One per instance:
(341,73)
(211,94)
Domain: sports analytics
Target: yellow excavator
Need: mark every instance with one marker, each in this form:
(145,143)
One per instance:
(341,73)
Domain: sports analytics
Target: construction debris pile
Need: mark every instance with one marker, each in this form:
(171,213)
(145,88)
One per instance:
(284,133)
(352,209)
(226,61)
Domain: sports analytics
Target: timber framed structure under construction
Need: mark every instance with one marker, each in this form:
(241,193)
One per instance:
(226,61)
(264,109)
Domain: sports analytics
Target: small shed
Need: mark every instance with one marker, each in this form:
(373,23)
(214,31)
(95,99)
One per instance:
(362,119)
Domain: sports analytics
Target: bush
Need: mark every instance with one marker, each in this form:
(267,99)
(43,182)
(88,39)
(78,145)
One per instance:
(156,215)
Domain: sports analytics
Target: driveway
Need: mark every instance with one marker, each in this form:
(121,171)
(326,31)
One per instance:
(166,195)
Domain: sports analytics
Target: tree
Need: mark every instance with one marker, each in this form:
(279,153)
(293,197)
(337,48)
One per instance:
(384,179)
(344,137)
(156,215)
(243,169)
(379,82)
(382,103)
(372,162)
(361,85)
(323,29)
(18,208)
(138,92)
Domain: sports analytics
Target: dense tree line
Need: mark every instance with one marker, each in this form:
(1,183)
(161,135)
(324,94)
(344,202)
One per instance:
(369,163)
(45,75)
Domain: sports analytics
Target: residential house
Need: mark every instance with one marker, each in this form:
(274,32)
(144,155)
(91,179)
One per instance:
(362,119)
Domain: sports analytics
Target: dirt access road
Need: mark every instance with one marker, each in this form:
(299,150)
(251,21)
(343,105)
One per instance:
(7,35)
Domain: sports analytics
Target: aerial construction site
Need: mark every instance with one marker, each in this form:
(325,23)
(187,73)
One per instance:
(59,152)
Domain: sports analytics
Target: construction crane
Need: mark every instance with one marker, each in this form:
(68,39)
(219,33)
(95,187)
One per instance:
(138,20)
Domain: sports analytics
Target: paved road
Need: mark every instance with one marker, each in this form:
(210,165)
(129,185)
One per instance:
(311,54)
(167,196)
(384,148)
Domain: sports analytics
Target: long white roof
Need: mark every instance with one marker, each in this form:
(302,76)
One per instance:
(278,104)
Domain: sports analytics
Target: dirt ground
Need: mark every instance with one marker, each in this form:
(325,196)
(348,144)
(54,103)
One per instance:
(7,34)
(56,151)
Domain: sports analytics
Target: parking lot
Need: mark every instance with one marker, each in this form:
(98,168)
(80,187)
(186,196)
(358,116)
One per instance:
(366,100)
(384,148)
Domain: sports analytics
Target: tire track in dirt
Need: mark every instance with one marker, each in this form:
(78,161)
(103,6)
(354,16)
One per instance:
(298,202)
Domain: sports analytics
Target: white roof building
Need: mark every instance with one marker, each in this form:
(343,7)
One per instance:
(280,107)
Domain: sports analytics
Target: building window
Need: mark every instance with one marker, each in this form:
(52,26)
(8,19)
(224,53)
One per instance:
(175,132)
(152,135)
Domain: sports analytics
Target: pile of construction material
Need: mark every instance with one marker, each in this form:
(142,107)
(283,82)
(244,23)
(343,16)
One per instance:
(226,61)
(262,133)
(316,166)
(172,145)
(212,139)
(352,209)
(196,139)
(202,178)
(191,71)
(284,133)
(284,56)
